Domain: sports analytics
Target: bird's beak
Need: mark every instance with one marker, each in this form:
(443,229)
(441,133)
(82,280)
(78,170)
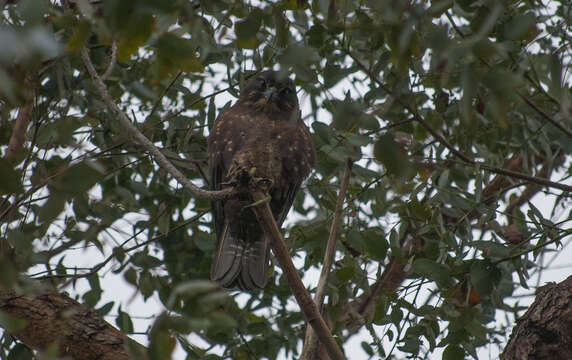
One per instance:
(270,94)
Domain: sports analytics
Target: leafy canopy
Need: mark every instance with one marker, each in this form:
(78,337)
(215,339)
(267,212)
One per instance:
(423,97)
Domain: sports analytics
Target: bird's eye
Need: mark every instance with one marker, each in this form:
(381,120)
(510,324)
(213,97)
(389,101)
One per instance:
(261,82)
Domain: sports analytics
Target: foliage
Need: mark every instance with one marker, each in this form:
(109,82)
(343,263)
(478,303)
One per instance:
(378,79)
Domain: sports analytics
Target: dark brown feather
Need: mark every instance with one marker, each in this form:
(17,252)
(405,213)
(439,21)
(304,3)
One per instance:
(262,136)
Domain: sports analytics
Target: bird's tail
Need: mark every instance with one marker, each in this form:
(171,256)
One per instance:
(241,258)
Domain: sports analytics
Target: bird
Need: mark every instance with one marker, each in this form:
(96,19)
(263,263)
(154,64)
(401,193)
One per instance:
(260,138)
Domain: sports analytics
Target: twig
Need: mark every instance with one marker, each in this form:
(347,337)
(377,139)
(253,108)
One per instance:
(112,62)
(534,248)
(311,340)
(309,308)
(133,132)
(529,102)
(545,116)
(449,146)
(21,125)
(521,176)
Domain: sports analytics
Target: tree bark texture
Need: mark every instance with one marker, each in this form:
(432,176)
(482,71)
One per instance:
(53,318)
(545,330)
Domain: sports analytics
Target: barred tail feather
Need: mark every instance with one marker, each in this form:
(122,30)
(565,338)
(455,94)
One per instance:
(240,263)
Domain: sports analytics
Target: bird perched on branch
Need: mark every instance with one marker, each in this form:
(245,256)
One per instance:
(260,139)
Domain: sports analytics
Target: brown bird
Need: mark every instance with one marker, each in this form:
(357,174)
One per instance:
(261,137)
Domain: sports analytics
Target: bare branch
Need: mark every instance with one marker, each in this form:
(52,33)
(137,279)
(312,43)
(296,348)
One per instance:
(545,116)
(112,62)
(308,307)
(133,132)
(21,125)
(311,341)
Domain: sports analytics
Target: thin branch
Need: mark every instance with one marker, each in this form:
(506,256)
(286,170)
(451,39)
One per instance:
(529,102)
(534,248)
(545,116)
(530,178)
(112,62)
(311,340)
(21,125)
(449,146)
(308,307)
(133,132)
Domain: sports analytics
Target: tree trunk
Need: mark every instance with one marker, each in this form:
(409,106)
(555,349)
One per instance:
(543,332)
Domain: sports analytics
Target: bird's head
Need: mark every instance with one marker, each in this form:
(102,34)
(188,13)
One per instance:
(271,92)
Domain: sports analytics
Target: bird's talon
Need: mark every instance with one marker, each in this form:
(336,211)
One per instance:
(259,202)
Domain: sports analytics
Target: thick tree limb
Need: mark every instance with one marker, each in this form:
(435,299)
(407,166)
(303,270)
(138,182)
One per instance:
(80,333)
(543,332)
(311,340)
(309,308)
(133,132)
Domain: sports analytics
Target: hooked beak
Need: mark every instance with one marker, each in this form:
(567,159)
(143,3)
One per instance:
(270,94)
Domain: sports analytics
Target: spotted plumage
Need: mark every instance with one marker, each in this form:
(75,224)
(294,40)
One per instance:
(263,136)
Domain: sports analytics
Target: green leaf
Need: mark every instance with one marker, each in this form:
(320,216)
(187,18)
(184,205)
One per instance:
(10,179)
(10,323)
(105,309)
(453,352)
(79,178)
(33,11)
(135,34)
(131,276)
(176,54)
(162,345)
(439,273)
(79,36)
(521,27)
(367,348)
(419,210)
(20,241)
(20,352)
(389,153)
(247,29)
(375,244)
(123,322)
(193,288)
(484,277)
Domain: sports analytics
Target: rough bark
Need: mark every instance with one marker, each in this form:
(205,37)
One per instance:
(53,318)
(543,332)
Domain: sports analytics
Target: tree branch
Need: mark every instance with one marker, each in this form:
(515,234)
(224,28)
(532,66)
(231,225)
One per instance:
(80,333)
(21,125)
(447,144)
(139,138)
(112,62)
(311,340)
(309,308)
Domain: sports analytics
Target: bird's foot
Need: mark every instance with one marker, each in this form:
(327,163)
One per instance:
(261,183)
(266,199)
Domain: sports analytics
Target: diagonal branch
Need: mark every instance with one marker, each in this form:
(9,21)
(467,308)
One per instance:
(308,307)
(311,340)
(133,132)
(52,318)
